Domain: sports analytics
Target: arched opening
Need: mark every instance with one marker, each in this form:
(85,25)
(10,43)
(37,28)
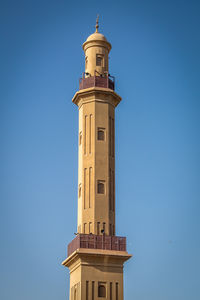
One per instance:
(99,60)
(101,291)
(100,187)
(101,134)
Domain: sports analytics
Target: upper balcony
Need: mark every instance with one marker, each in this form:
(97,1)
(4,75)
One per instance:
(92,241)
(103,81)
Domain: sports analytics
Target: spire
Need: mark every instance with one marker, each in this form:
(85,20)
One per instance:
(97,23)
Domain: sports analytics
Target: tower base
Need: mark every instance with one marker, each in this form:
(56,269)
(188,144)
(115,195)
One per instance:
(96,273)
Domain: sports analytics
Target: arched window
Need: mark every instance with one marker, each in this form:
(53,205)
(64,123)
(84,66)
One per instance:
(102,291)
(101,134)
(100,187)
(98,228)
(99,60)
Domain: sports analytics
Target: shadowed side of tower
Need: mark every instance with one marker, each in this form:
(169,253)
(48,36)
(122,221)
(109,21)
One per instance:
(96,256)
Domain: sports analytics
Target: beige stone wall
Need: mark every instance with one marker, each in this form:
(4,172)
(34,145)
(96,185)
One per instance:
(96,211)
(90,269)
(92,54)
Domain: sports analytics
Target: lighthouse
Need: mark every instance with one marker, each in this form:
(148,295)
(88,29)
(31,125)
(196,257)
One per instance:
(96,255)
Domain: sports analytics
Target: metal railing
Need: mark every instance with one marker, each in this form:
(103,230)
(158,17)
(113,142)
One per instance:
(97,81)
(92,241)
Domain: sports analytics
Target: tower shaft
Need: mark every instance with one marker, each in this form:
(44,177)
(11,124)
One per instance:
(96,256)
(96,176)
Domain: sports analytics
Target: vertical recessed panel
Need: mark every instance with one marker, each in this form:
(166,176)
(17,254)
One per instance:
(90,185)
(90,135)
(110,290)
(110,190)
(117,291)
(84,179)
(85,135)
(110,139)
(87,290)
(113,137)
(92,290)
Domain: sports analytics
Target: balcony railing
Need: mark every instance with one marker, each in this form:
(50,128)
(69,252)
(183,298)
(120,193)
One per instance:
(92,241)
(96,81)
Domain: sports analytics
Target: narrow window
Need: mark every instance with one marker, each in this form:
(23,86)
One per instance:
(98,228)
(104,227)
(101,187)
(80,138)
(92,290)
(101,134)
(87,283)
(117,290)
(85,224)
(75,294)
(99,60)
(110,290)
(101,290)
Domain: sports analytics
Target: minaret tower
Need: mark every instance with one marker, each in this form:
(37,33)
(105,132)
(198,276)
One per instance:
(96,256)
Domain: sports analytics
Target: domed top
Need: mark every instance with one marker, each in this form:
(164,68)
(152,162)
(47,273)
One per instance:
(96,37)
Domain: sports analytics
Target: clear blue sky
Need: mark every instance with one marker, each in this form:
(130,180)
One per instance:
(155,58)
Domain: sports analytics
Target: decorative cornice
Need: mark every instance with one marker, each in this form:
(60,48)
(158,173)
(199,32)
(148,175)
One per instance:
(96,94)
(115,258)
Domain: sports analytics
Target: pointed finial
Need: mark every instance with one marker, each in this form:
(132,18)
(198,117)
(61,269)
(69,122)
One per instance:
(97,23)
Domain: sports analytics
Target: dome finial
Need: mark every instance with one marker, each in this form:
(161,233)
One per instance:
(97,23)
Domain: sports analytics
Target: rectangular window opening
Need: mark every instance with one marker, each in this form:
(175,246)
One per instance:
(101,134)
(102,290)
(101,187)
(99,60)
